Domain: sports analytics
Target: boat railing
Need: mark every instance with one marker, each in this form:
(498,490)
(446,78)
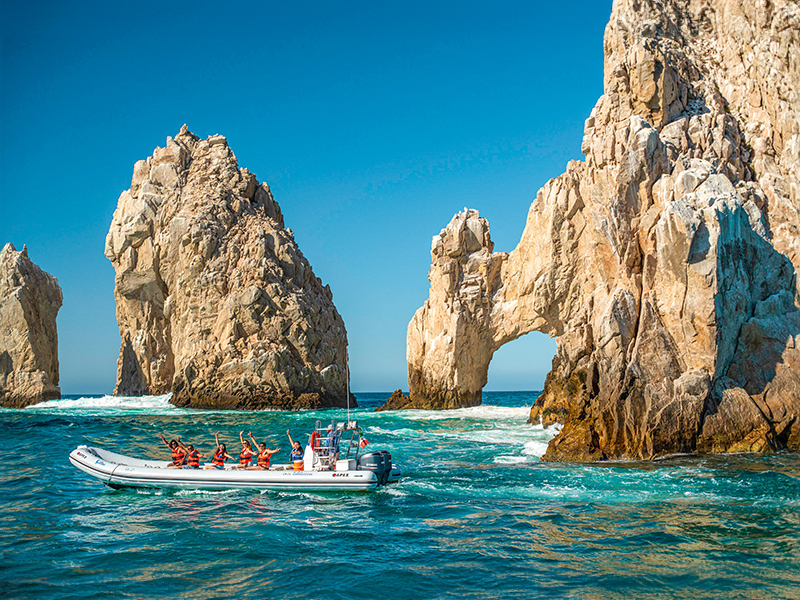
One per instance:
(328,440)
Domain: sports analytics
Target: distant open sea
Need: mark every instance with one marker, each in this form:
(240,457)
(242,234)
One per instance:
(476,515)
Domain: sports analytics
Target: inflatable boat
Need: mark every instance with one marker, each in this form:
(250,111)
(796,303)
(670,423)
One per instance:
(323,468)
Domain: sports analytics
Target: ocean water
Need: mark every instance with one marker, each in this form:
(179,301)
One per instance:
(475,516)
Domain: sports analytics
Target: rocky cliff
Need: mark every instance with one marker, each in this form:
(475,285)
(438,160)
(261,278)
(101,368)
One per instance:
(665,263)
(215,301)
(29,303)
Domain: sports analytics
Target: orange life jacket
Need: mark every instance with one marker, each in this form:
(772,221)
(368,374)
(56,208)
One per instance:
(263,459)
(244,455)
(194,459)
(218,458)
(178,455)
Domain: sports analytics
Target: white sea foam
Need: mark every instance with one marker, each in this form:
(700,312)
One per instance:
(536,448)
(483,411)
(518,434)
(503,430)
(206,492)
(108,404)
(394,490)
(403,431)
(532,449)
(122,405)
(511,460)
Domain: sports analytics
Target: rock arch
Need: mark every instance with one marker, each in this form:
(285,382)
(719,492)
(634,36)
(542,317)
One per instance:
(521,365)
(664,263)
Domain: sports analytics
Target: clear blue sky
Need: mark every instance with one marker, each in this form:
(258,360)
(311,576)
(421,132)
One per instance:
(372,122)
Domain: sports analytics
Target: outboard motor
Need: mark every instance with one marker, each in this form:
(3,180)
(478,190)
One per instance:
(378,462)
(387,466)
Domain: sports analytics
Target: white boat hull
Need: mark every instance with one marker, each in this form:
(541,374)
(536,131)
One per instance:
(119,471)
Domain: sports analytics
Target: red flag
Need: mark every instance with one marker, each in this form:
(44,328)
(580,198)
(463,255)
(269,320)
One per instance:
(364,442)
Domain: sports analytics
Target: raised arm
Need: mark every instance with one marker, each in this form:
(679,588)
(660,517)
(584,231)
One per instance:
(255,443)
(241,439)
(291,441)
(216,438)
(163,439)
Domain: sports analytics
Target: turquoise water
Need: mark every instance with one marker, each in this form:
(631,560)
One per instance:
(476,516)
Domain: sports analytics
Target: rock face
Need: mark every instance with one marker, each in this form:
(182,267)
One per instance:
(215,301)
(450,339)
(29,303)
(665,264)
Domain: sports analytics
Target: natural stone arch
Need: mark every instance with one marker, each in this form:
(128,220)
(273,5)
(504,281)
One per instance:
(665,263)
(521,365)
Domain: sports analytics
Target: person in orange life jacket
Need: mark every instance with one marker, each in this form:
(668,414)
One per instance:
(193,457)
(297,449)
(220,455)
(264,454)
(247,453)
(178,452)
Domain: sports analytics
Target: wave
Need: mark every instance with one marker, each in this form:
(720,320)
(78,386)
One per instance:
(536,448)
(499,435)
(108,404)
(512,460)
(483,411)
(123,405)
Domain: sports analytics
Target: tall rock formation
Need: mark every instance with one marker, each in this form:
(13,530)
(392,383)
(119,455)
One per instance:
(451,338)
(665,263)
(29,303)
(215,301)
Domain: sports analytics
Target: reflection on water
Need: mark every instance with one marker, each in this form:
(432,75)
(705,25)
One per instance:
(477,516)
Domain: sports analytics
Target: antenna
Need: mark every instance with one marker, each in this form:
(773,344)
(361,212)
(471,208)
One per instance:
(347,379)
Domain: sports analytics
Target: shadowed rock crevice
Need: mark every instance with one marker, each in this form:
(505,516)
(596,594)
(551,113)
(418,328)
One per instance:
(131,371)
(664,263)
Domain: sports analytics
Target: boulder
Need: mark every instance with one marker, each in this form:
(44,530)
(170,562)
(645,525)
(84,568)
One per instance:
(398,400)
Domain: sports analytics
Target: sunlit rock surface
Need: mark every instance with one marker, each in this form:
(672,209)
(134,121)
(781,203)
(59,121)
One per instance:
(29,303)
(215,301)
(665,263)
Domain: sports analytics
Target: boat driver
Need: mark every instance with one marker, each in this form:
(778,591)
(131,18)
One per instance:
(332,445)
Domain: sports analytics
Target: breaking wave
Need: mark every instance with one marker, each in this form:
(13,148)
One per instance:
(109,405)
